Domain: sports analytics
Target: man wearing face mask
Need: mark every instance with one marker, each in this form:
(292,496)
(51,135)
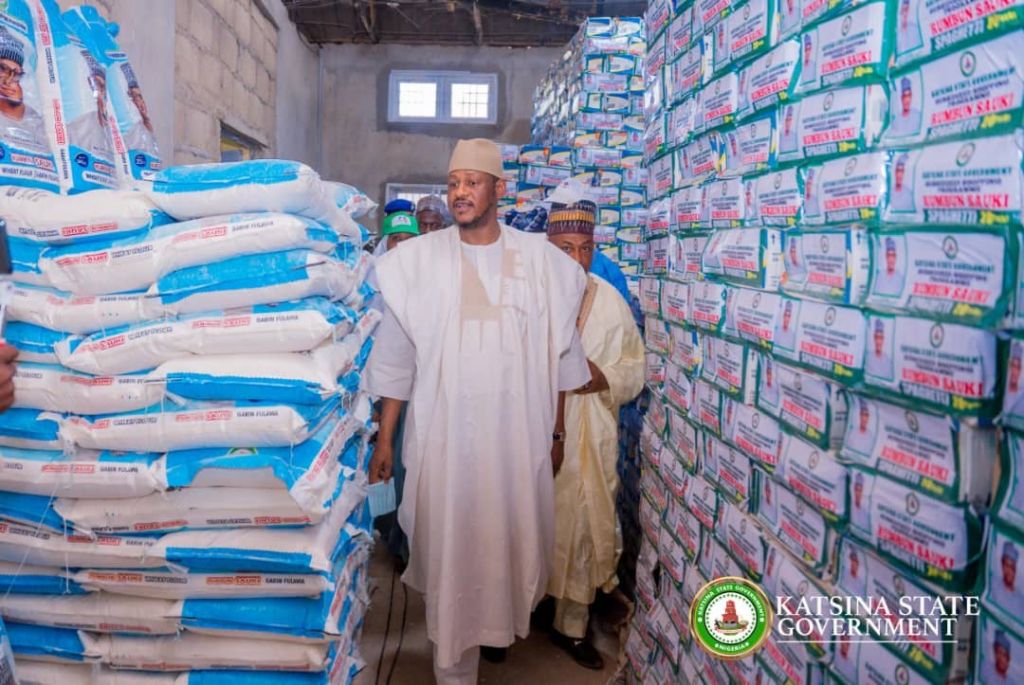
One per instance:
(479,338)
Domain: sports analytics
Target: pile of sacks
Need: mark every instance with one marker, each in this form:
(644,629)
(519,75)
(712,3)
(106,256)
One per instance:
(183,476)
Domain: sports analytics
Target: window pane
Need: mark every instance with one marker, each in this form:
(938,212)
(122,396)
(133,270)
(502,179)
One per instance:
(471,100)
(418,100)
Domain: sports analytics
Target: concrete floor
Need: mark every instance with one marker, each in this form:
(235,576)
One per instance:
(534,661)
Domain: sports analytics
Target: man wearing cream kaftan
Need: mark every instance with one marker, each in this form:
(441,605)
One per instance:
(479,338)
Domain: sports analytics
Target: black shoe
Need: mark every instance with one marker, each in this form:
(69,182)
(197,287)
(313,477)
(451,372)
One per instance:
(494,655)
(581,651)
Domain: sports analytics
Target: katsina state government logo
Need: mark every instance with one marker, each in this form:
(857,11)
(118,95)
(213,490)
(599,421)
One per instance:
(730,617)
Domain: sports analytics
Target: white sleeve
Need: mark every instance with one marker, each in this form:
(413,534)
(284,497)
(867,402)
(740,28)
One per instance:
(573,371)
(392,365)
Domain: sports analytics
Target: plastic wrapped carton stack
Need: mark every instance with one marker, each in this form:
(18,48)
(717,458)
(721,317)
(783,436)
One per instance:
(588,116)
(837,188)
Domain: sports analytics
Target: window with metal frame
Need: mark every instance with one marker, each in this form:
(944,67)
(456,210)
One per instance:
(414,191)
(442,97)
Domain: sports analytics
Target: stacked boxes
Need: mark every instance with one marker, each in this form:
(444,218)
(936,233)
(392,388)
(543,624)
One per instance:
(837,190)
(589,112)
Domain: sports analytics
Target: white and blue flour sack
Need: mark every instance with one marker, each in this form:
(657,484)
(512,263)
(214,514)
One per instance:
(30,510)
(85,474)
(95,612)
(975,183)
(298,378)
(190,425)
(198,190)
(46,217)
(136,262)
(352,201)
(68,313)
(35,344)
(976,90)
(22,579)
(263,278)
(29,545)
(30,429)
(77,112)
(26,155)
(166,584)
(46,644)
(132,124)
(54,388)
(264,329)
(24,256)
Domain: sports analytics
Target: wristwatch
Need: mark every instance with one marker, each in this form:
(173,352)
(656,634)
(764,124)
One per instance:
(559,436)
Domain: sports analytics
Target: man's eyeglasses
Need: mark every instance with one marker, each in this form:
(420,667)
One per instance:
(11,74)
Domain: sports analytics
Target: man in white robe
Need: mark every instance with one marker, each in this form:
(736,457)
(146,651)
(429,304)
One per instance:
(479,338)
(588,539)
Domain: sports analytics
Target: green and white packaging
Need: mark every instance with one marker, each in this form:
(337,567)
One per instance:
(687,350)
(673,473)
(746,256)
(702,501)
(934,539)
(822,337)
(798,526)
(718,102)
(975,183)
(961,277)
(680,33)
(750,31)
(1008,504)
(730,366)
(654,370)
(948,367)
(835,122)
(752,316)
(786,579)
(680,123)
(790,18)
(846,190)
(769,80)
(650,295)
(866,660)
(656,335)
(686,75)
(1004,587)
(827,265)
(807,405)
(976,90)
(1012,415)
(688,208)
(729,469)
(926,28)
(685,440)
(851,49)
(659,218)
(995,642)
(656,414)
(678,388)
(710,13)
(723,204)
(706,411)
(815,475)
(675,302)
(684,256)
(687,530)
(695,162)
(752,431)
(707,306)
(864,574)
(742,538)
(778,198)
(935,454)
(750,148)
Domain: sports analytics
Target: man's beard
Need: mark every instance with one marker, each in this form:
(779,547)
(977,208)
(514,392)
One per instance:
(479,222)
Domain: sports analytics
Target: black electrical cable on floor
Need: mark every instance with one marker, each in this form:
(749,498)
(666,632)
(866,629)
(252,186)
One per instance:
(387,630)
(401,632)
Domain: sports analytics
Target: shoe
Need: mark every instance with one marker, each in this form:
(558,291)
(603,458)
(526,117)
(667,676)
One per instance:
(494,655)
(581,651)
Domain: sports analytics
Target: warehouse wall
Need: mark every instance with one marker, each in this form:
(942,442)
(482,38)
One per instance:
(355,89)
(240,62)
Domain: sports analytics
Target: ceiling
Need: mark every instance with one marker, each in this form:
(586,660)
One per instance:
(517,23)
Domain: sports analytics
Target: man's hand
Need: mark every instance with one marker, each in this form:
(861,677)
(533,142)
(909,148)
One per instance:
(381,462)
(598,382)
(557,456)
(7,356)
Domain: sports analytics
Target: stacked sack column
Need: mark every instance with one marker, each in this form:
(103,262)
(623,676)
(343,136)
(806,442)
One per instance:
(184,473)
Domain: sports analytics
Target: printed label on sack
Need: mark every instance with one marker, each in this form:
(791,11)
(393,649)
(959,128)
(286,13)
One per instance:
(852,48)
(848,190)
(748,32)
(978,90)
(681,122)
(686,75)
(1004,590)
(684,439)
(826,338)
(751,315)
(685,254)
(730,366)
(686,349)
(656,335)
(719,102)
(678,388)
(799,526)
(688,207)
(948,366)
(680,32)
(835,122)
(926,27)
(769,80)
(778,198)
(702,501)
(742,538)
(750,147)
(810,406)
(697,161)
(650,295)
(707,305)
(1013,385)
(790,583)
(976,182)
(815,475)
(731,468)
(957,276)
(827,265)
(707,407)
(755,433)
(723,204)
(748,256)
(659,218)
(660,179)
(675,302)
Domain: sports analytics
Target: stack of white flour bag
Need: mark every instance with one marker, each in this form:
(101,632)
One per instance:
(183,474)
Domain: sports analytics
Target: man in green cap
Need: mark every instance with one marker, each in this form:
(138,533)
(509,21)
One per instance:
(398,228)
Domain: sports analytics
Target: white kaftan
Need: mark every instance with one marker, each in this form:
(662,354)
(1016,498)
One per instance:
(479,342)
